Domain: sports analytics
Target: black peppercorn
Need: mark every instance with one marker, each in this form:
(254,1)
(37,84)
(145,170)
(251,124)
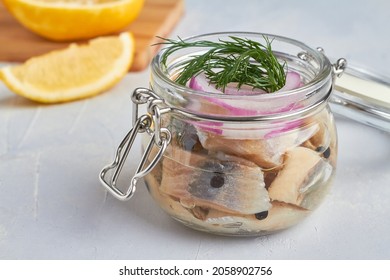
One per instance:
(217,181)
(261,215)
(325,152)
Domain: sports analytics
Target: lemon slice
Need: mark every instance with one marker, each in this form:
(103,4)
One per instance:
(63,20)
(76,72)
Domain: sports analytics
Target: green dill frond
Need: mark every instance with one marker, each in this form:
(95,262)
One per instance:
(238,60)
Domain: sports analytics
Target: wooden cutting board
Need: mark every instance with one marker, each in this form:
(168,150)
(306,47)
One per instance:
(157,18)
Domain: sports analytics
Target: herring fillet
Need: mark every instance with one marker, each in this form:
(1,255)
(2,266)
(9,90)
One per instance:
(299,165)
(242,188)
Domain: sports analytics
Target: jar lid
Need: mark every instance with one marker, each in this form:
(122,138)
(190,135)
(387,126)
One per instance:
(363,96)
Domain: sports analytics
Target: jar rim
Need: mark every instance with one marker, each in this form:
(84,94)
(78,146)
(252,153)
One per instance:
(314,84)
(323,60)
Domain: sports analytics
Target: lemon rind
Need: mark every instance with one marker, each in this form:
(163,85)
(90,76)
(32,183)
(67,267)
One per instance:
(74,5)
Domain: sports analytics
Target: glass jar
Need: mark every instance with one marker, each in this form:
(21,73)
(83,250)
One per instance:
(240,165)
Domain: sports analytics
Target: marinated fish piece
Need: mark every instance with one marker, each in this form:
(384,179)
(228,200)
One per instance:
(323,141)
(320,139)
(300,172)
(174,206)
(323,135)
(156,173)
(184,135)
(222,182)
(266,153)
(319,187)
(170,204)
(279,216)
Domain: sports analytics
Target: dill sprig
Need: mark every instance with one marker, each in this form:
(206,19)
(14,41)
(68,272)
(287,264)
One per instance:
(239,60)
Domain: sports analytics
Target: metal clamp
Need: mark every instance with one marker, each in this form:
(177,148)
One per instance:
(159,136)
(339,67)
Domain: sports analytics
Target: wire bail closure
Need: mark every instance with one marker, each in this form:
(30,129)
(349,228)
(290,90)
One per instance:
(159,136)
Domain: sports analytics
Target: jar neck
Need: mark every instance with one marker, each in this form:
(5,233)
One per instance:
(289,105)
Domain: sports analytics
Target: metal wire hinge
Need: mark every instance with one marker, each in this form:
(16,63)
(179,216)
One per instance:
(339,67)
(159,137)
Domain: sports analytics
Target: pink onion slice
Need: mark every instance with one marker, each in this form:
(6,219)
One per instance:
(245,107)
(242,107)
(293,81)
(201,83)
(232,89)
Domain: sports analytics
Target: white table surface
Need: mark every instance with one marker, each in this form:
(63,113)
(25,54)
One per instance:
(52,205)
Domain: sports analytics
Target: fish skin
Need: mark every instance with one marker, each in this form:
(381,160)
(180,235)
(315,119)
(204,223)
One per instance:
(243,190)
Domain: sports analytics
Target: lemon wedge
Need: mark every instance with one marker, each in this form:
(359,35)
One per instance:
(65,20)
(76,72)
